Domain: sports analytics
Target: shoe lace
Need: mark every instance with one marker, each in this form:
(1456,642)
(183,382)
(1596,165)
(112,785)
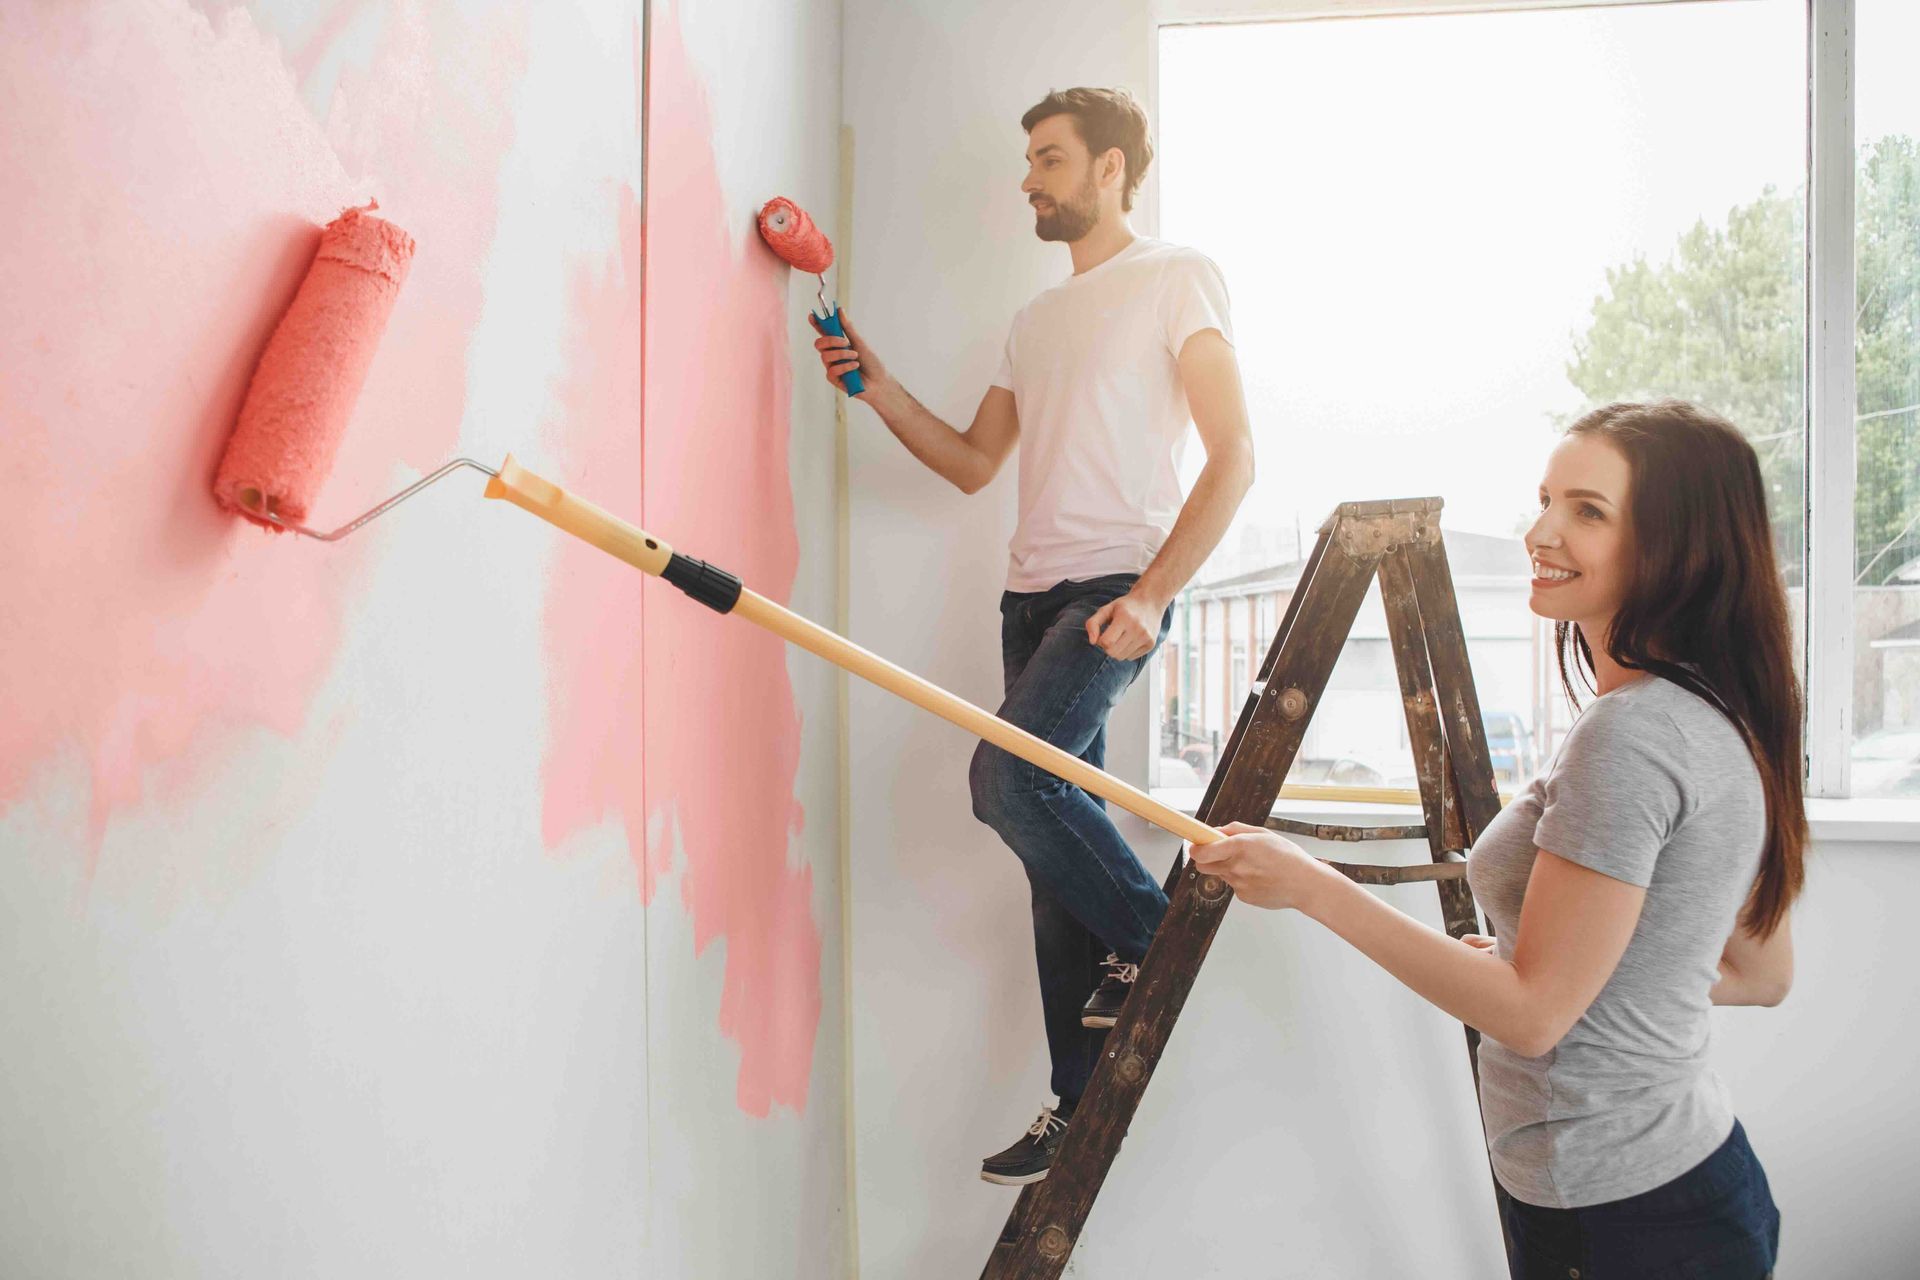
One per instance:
(1119,970)
(1047,1123)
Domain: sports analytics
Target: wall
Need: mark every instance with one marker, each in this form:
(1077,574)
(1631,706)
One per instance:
(1816,1080)
(1310,1118)
(749,1157)
(439,901)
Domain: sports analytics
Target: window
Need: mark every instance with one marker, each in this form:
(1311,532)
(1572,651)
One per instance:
(1446,236)
(1886,525)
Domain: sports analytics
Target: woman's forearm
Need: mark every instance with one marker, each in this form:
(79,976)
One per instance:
(1727,988)
(1475,986)
(1573,930)
(1736,988)
(1755,970)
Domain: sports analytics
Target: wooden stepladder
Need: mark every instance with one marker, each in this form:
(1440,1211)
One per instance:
(1398,542)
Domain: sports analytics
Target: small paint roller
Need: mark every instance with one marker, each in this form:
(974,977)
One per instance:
(790,233)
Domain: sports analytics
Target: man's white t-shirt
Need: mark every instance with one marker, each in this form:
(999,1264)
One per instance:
(1093,367)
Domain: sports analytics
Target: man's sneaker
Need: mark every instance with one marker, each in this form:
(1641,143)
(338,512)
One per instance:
(1103,1006)
(1031,1155)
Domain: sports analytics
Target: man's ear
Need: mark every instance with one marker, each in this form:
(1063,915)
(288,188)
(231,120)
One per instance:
(1115,162)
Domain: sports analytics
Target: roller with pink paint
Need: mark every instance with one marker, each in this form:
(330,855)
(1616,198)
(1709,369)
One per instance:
(790,233)
(303,389)
(301,398)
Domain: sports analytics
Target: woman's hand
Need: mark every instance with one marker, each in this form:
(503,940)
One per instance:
(1265,869)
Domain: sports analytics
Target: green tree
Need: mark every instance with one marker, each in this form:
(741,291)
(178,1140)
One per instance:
(1887,250)
(1722,323)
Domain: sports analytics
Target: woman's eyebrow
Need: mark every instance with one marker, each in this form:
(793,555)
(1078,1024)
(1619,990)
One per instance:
(1590,493)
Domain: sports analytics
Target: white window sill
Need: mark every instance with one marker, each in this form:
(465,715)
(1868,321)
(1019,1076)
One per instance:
(1863,821)
(1859,821)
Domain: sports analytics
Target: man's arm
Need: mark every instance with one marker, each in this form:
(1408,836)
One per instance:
(966,459)
(1127,627)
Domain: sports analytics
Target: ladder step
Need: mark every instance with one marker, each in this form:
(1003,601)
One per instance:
(1373,873)
(1343,832)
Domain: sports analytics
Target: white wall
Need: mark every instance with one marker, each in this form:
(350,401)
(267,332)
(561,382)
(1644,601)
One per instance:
(1821,1082)
(292,980)
(736,1195)
(732,1193)
(1310,1118)
(948,1058)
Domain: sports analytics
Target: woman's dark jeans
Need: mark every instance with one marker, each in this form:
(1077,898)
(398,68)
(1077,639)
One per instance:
(1091,895)
(1717,1221)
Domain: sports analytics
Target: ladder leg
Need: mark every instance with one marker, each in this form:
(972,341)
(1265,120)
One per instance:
(1415,623)
(1267,665)
(1437,789)
(1466,734)
(1408,634)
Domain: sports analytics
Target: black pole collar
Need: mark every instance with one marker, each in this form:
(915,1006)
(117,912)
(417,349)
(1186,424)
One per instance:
(711,586)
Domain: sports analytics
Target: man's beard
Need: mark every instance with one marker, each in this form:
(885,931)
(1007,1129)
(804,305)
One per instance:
(1073,220)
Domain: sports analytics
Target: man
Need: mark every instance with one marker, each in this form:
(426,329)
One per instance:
(1098,380)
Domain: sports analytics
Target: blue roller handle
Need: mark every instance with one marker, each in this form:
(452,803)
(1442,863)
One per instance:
(830,324)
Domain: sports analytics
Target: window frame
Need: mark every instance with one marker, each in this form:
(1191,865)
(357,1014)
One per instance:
(1830,398)
(1827,608)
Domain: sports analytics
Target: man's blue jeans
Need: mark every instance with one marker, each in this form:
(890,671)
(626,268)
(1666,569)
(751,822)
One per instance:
(1091,895)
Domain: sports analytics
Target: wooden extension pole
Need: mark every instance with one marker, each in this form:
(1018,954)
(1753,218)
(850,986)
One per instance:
(723,592)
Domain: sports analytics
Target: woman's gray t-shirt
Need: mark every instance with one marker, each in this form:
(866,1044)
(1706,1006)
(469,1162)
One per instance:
(1655,787)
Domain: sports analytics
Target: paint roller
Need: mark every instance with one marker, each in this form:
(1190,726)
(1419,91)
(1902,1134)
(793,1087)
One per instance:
(300,399)
(302,392)
(790,233)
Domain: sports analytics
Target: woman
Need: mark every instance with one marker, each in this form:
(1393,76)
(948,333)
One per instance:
(1646,875)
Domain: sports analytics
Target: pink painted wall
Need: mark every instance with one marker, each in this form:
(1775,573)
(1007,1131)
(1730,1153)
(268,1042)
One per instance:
(703,702)
(165,182)
(451,855)
(721,714)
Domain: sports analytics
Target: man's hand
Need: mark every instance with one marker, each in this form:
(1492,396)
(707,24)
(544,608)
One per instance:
(965,459)
(1127,628)
(842,356)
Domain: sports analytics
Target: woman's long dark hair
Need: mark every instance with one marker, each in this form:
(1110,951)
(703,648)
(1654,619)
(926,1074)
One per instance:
(1705,608)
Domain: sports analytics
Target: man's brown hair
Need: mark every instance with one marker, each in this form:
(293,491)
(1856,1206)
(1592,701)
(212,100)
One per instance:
(1104,119)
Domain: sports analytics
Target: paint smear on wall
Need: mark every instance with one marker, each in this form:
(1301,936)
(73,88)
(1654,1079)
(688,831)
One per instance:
(723,730)
(680,722)
(594,620)
(164,186)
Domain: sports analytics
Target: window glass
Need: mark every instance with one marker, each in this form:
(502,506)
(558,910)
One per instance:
(1445,237)
(1886,509)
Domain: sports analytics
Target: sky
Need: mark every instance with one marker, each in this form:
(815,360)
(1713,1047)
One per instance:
(1414,216)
